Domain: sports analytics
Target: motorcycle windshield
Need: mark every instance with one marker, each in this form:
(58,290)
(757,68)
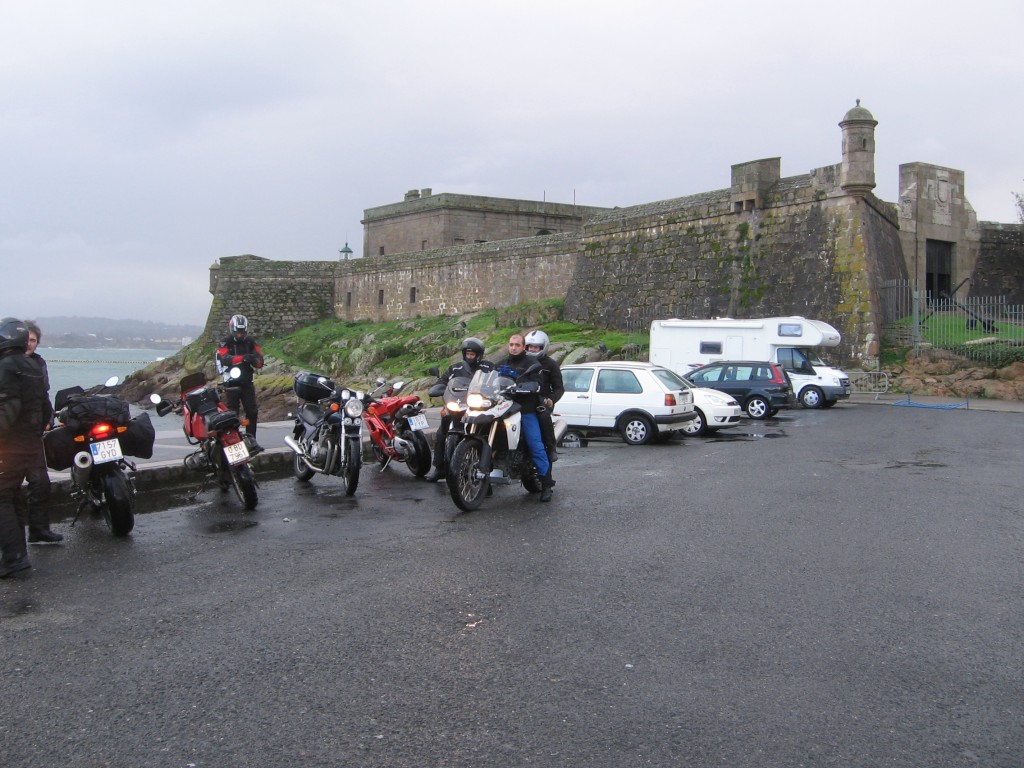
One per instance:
(487,385)
(456,391)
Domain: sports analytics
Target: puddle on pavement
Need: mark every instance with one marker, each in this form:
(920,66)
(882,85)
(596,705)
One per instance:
(229,526)
(735,437)
(916,465)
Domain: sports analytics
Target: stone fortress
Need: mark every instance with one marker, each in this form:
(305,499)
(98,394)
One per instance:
(819,245)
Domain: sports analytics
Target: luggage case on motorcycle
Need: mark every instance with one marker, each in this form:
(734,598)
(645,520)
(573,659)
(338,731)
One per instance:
(78,412)
(60,448)
(312,387)
(203,401)
(138,440)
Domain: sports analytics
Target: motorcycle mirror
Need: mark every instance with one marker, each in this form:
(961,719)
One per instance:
(434,370)
(155,399)
(397,386)
(111,381)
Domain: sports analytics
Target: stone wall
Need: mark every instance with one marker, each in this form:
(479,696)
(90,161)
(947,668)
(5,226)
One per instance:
(809,251)
(278,297)
(1000,267)
(453,281)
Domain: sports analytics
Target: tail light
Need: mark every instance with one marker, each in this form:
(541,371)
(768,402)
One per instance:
(778,377)
(670,399)
(101,432)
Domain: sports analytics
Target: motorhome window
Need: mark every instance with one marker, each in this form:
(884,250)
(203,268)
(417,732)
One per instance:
(578,379)
(618,381)
(711,347)
(791,329)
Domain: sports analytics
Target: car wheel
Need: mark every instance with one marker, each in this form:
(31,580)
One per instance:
(811,397)
(828,403)
(637,430)
(757,407)
(698,426)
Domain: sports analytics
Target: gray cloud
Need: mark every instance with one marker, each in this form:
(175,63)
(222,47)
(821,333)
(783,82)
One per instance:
(141,142)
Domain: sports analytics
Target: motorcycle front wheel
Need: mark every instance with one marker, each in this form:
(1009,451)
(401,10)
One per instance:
(245,485)
(467,482)
(419,464)
(119,503)
(352,462)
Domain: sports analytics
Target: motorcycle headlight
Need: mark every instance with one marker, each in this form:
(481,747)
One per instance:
(353,408)
(477,401)
(454,406)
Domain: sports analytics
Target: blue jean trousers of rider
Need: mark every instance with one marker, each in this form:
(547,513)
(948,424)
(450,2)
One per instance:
(531,431)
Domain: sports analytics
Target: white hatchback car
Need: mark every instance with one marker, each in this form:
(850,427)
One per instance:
(640,401)
(715,410)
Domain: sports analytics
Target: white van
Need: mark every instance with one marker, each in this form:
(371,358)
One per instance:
(682,345)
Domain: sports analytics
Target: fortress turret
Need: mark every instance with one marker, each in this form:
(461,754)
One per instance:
(858,172)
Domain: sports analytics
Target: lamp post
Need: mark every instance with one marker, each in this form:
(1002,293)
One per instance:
(345,252)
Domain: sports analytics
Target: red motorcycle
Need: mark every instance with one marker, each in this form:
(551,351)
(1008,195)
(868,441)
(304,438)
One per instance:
(396,425)
(223,452)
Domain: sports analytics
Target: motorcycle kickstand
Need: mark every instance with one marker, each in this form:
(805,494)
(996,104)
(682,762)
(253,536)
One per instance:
(386,464)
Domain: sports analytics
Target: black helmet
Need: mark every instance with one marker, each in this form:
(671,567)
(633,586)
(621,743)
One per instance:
(474,344)
(13,334)
(238,323)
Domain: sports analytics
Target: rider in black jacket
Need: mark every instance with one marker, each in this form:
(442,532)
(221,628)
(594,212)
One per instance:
(239,350)
(24,412)
(472,361)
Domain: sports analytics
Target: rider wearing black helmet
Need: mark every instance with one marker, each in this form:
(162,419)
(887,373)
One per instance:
(551,391)
(240,350)
(472,361)
(24,412)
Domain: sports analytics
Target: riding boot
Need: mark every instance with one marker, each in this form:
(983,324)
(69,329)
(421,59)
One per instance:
(547,486)
(43,536)
(436,473)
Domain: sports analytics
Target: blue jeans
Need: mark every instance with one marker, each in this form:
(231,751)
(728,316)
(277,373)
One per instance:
(531,431)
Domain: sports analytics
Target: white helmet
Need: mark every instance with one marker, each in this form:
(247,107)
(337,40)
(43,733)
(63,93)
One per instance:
(238,323)
(537,339)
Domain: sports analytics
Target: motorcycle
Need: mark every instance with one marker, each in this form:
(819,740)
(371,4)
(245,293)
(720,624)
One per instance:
(223,451)
(328,430)
(493,449)
(396,424)
(453,399)
(94,435)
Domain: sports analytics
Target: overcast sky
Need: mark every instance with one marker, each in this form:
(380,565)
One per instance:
(142,140)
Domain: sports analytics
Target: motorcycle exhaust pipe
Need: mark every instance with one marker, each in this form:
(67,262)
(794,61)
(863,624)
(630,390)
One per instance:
(402,445)
(82,467)
(290,442)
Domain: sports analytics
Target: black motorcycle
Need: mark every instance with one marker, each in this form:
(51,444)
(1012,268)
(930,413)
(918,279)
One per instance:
(328,433)
(92,438)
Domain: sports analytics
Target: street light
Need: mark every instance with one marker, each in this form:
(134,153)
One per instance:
(345,252)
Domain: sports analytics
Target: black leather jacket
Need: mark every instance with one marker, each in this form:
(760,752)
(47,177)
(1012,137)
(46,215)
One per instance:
(24,407)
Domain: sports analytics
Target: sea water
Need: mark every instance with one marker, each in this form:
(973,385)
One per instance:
(90,367)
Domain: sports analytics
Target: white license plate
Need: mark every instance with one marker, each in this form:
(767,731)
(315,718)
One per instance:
(237,452)
(419,421)
(106,450)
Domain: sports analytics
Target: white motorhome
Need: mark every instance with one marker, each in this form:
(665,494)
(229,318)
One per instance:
(682,345)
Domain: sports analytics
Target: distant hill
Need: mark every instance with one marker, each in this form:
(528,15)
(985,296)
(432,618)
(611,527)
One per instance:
(106,333)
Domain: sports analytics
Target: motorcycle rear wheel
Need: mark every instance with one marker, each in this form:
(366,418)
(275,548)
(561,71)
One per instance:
(381,455)
(419,464)
(353,461)
(467,489)
(119,503)
(245,485)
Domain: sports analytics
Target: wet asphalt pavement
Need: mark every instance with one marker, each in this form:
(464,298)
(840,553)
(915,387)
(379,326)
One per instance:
(830,588)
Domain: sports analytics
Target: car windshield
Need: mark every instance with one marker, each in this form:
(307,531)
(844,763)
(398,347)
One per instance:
(671,379)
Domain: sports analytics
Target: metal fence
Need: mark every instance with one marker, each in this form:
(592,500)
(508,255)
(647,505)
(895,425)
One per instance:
(972,326)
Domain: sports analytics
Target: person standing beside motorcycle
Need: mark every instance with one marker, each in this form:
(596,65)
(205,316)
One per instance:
(38,479)
(240,350)
(24,411)
(472,361)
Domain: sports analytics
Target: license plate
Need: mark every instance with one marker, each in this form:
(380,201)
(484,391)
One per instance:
(236,453)
(419,421)
(106,450)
